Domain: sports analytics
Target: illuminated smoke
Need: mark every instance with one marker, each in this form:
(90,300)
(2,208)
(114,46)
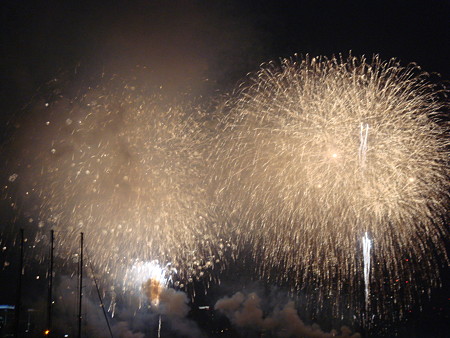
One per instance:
(314,153)
(164,300)
(122,163)
(245,311)
(152,279)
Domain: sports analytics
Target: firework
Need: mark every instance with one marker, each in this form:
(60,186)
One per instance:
(153,279)
(121,163)
(308,159)
(314,154)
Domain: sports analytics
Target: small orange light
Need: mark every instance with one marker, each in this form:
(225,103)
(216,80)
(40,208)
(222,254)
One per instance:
(47,332)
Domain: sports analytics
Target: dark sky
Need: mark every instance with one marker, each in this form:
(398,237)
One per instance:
(206,46)
(187,41)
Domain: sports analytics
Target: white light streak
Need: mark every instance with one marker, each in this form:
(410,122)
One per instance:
(367,245)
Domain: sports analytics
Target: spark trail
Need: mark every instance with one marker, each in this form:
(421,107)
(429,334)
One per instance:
(366,252)
(313,153)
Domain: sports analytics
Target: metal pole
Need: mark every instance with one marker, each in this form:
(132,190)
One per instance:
(101,300)
(80,285)
(50,285)
(19,289)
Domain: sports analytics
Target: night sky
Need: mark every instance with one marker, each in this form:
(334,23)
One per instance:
(204,48)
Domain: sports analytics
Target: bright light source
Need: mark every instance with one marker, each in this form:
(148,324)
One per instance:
(46,332)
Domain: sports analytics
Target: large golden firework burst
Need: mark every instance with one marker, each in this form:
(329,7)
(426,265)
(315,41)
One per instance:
(314,153)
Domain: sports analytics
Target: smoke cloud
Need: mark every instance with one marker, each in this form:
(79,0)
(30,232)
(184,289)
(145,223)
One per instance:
(244,311)
(128,321)
(173,303)
(122,330)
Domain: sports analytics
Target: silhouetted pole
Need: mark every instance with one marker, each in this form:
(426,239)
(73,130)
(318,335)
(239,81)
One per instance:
(50,285)
(101,300)
(80,285)
(19,289)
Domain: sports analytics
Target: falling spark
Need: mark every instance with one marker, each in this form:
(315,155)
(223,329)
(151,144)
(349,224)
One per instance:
(363,135)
